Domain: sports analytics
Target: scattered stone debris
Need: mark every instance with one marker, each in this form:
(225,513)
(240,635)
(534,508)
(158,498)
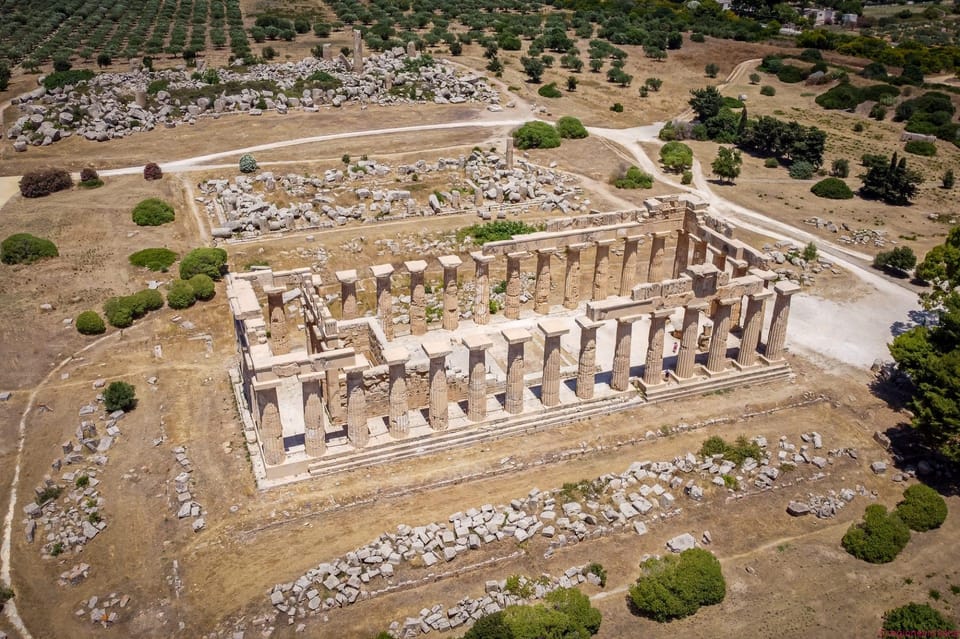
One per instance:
(824,506)
(104,611)
(186,506)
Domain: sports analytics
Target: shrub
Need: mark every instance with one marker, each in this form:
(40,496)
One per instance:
(840,168)
(916,618)
(676,156)
(599,571)
(181,295)
(90,323)
(549,91)
(6,594)
(879,538)
(152,171)
(736,452)
(801,170)
(155,259)
(922,508)
(686,178)
(88,175)
(119,311)
(634,178)
(120,396)
(248,164)
(920,147)
(878,112)
(571,128)
(145,301)
(44,182)
(767,90)
(947,181)
(617,107)
(790,74)
(495,231)
(23,248)
(152,212)
(209,261)
(832,188)
(536,135)
(677,585)
(771,163)
(696,36)
(71,77)
(203,287)
(899,260)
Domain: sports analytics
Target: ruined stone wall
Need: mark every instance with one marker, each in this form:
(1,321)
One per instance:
(376,381)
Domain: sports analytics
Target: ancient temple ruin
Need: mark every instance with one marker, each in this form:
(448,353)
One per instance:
(321,393)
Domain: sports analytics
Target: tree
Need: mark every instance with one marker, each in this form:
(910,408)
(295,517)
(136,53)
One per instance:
(810,252)
(901,259)
(879,538)
(711,70)
(919,619)
(596,64)
(533,67)
(677,586)
(653,83)
(676,157)
(840,168)
(104,60)
(536,135)
(120,396)
(61,64)
(706,102)
(209,261)
(572,83)
(4,76)
(948,179)
(754,78)
(727,164)
(570,127)
(922,508)
(493,626)
(893,183)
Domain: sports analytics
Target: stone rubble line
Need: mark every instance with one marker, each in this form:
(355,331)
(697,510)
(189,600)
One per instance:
(239,209)
(343,581)
(100,609)
(186,506)
(115,105)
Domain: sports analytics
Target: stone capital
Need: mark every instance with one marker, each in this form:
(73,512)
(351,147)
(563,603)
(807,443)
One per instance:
(550,250)
(481,258)
(659,235)
(629,319)
(435,348)
(359,365)
(786,288)
(395,355)
(728,301)
(382,270)
(416,266)
(587,324)
(661,313)
(607,242)
(476,341)
(578,246)
(762,295)
(347,277)
(765,275)
(449,261)
(554,326)
(518,255)
(516,335)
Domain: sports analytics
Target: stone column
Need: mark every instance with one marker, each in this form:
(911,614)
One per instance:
(357,431)
(587,362)
(653,370)
(658,241)
(699,251)
(553,329)
(384,297)
(720,260)
(348,293)
(509,153)
(717,357)
(516,338)
(628,272)
(620,379)
(477,344)
(511,307)
(271,430)
(571,280)
(398,418)
(481,303)
(777,337)
(451,303)
(418,298)
(411,50)
(689,336)
(740,268)
(277,321)
(541,299)
(357,52)
(752,326)
(601,271)
(314,437)
(437,351)
(332,387)
(682,256)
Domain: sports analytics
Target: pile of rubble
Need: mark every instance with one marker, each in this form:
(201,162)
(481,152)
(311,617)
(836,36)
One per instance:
(115,105)
(103,610)
(824,506)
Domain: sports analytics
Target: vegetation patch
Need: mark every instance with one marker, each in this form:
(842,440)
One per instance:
(676,586)
(152,212)
(915,618)
(212,262)
(536,135)
(879,538)
(737,452)
(634,178)
(832,188)
(23,248)
(566,612)
(920,147)
(44,182)
(571,128)
(90,323)
(496,231)
(155,259)
(922,508)
(847,96)
(120,396)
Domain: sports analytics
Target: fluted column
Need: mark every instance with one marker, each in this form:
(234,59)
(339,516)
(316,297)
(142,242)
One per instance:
(777,337)
(658,242)
(541,299)
(620,379)
(699,251)
(277,321)
(348,293)
(681,258)
(477,344)
(382,273)
(438,411)
(553,329)
(332,388)
(628,271)
(653,370)
(314,437)
(571,280)
(689,336)
(717,356)
(587,361)
(601,271)
(752,326)
(515,338)
(357,431)
(481,303)
(511,307)
(398,416)
(451,303)
(418,297)
(271,430)
(357,52)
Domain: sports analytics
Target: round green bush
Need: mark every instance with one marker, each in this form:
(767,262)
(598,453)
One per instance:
(248,164)
(90,323)
(120,396)
(790,74)
(922,508)
(155,259)
(549,91)
(879,538)
(676,156)
(767,90)
(181,295)
(23,248)
(801,170)
(832,188)
(771,163)
(920,147)
(119,311)
(203,287)
(536,135)
(634,178)
(915,617)
(677,585)
(145,301)
(209,261)
(152,212)
(686,178)
(571,128)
